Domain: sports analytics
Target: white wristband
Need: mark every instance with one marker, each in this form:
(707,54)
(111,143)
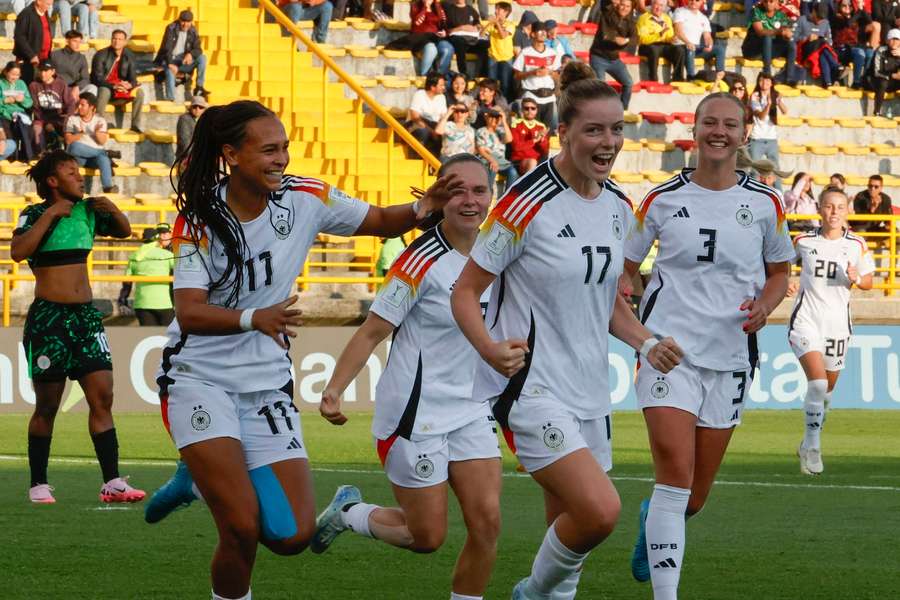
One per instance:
(858,280)
(647,346)
(247,319)
(415,209)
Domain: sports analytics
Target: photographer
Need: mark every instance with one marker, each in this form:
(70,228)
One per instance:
(86,138)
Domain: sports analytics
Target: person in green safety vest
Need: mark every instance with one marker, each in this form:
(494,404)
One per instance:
(390,250)
(152,301)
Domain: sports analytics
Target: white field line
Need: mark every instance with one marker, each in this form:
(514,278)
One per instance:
(770,484)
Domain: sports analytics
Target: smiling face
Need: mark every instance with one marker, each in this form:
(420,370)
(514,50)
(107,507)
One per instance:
(467,209)
(259,162)
(458,86)
(594,137)
(658,7)
(67,181)
(624,8)
(85,109)
(719,129)
(486,95)
(13,74)
(834,210)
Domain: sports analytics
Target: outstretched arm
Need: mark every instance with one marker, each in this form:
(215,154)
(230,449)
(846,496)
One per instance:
(391,221)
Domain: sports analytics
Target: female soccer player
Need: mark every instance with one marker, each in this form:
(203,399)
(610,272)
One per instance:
(833,260)
(427,426)
(554,243)
(64,335)
(225,385)
(722,267)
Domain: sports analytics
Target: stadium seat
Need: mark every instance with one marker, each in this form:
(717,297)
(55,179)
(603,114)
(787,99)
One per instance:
(656,117)
(685,145)
(685,117)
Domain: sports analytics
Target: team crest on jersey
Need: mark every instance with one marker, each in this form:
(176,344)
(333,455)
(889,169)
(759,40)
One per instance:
(553,436)
(659,389)
(200,420)
(43,362)
(282,226)
(424,467)
(743,216)
(617,228)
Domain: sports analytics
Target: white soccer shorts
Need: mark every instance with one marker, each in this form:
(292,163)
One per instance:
(540,432)
(833,348)
(717,398)
(425,461)
(266,423)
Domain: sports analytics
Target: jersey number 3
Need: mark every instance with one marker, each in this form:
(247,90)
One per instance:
(709,245)
(588,252)
(266,259)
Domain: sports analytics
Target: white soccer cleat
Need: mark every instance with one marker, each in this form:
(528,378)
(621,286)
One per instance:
(41,494)
(810,460)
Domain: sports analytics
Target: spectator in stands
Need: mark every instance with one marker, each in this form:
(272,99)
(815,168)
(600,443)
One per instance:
(458,93)
(426,109)
(873,201)
(656,35)
(769,35)
(530,138)
(616,33)
(489,98)
(184,128)
(816,54)
(855,38)
(180,52)
(491,141)
(456,132)
(801,200)
(32,38)
(536,68)
(391,248)
(560,43)
(427,37)
(464,33)
(887,14)
(837,180)
(318,11)
(501,52)
(522,35)
(52,106)
(765,102)
(63,10)
(693,31)
(86,137)
(886,69)
(152,301)
(71,66)
(14,109)
(8,147)
(767,172)
(738,88)
(114,72)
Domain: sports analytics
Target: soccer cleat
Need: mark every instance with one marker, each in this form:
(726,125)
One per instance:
(329,524)
(640,564)
(40,494)
(118,490)
(174,494)
(810,460)
(520,592)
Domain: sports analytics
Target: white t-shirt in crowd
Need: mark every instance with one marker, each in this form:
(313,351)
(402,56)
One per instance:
(431,109)
(75,124)
(693,25)
(763,128)
(530,59)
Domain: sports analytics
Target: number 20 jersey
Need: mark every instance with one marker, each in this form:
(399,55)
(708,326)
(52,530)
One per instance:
(713,246)
(558,258)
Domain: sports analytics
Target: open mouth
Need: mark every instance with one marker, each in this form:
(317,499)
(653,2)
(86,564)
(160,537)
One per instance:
(717,143)
(275,175)
(468,213)
(603,160)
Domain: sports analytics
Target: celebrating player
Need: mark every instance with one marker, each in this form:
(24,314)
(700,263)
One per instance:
(225,384)
(64,334)
(722,267)
(555,244)
(427,427)
(833,260)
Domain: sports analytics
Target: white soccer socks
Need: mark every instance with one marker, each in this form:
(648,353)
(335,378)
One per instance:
(566,590)
(356,518)
(455,596)
(665,539)
(553,565)
(814,412)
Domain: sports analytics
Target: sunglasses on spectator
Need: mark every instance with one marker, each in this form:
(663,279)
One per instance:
(739,88)
(529,108)
(874,186)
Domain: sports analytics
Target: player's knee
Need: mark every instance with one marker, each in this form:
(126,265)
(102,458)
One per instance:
(428,540)
(484,525)
(695,505)
(600,518)
(46,410)
(290,546)
(241,533)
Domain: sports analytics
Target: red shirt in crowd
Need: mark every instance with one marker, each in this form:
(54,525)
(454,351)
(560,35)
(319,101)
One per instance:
(426,21)
(523,143)
(47,41)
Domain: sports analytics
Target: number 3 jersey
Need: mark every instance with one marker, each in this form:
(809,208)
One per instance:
(823,301)
(278,241)
(426,388)
(713,246)
(558,258)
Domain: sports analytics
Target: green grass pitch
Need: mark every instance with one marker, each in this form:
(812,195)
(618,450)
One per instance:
(767,532)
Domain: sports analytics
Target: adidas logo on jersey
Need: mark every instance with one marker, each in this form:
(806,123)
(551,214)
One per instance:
(665,564)
(294,445)
(813,251)
(682,212)
(566,232)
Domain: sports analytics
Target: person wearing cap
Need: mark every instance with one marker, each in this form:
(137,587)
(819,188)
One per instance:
(152,301)
(886,69)
(522,35)
(72,67)
(490,142)
(52,106)
(767,172)
(180,52)
(560,43)
(537,70)
(500,32)
(184,129)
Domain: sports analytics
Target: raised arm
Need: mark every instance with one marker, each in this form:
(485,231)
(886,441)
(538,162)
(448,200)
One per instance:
(391,221)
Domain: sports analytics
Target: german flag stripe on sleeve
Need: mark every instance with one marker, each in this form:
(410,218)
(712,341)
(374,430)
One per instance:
(182,234)
(755,186)
(410,267)
(670,185)
(523,201)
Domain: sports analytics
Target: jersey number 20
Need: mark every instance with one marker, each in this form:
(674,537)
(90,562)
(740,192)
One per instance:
(826,269)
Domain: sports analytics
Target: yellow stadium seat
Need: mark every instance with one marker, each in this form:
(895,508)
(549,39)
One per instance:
(790,148)
(13,168)
(332,51)
(334,25)
(627,177)
(397,53)
(738,32)
(817,92)
(658,145)
(141,45)
(365,25)
(126,136)
(154,169)
(882,123)
(32,197)
(395,25)
(847,93)
(789,121)
(631,117)
(161,136)
(851,122)
(632,146)
(750,63)
(723,35)
(126,170)
(656,176)
(857,180)
(822,178)
(554,142)
(885,150)
(816,122)
(821,150)
(853,149)
(787,91)
(6,44)
(112,17)
(168,108)
(145,198)
(357,52)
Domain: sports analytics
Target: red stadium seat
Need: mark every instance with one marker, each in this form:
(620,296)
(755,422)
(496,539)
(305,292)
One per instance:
(685,117)
(565,29)
(562,3)
(685,145)
(587,28)
(629,59)
(615,85)
(583,55)
(658,88)
(657,118)
(529,2)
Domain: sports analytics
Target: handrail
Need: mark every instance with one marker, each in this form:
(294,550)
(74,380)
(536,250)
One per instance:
(348,79)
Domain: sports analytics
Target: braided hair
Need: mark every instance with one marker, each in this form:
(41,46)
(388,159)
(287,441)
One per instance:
(199,170)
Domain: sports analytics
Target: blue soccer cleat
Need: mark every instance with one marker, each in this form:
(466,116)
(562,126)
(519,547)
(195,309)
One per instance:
(640,564)
(329,524)
(174,494)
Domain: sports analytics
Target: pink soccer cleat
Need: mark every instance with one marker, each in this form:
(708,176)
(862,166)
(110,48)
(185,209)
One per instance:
(40,494)
(118,490)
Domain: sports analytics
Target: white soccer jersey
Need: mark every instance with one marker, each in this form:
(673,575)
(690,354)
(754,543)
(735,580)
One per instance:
(426,388)
(558,258)
(277,243)
(823,301)
(713,246)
